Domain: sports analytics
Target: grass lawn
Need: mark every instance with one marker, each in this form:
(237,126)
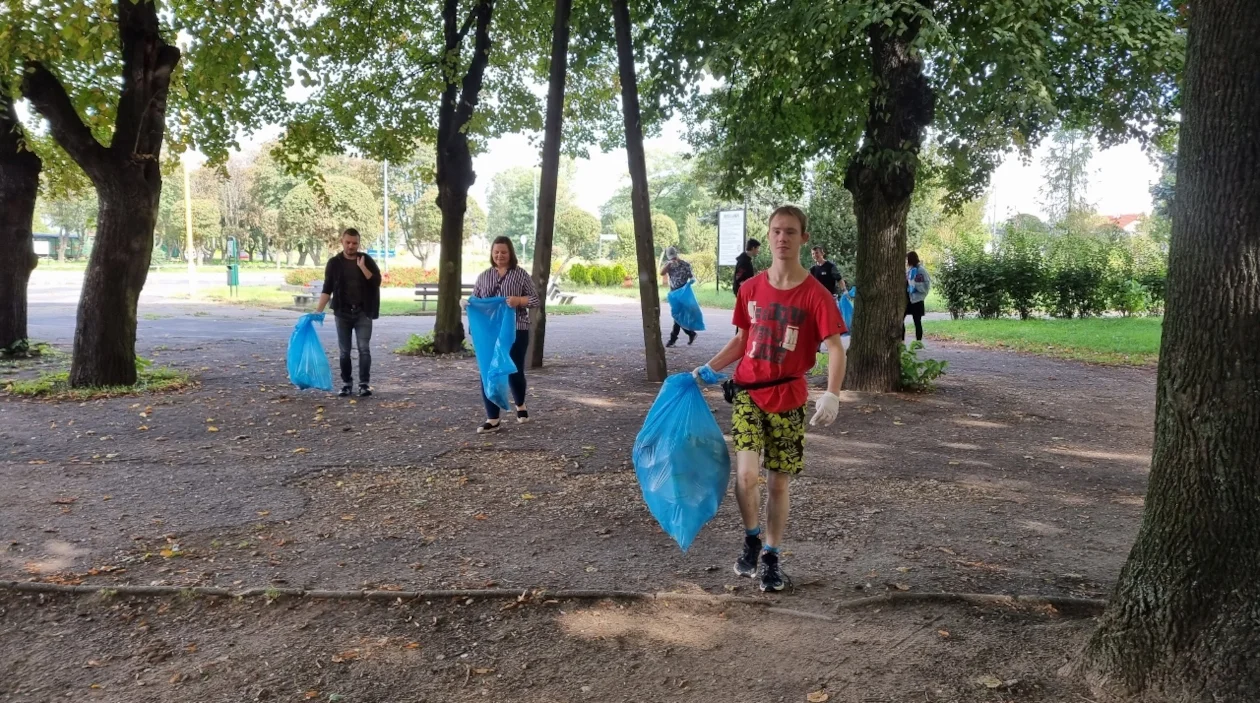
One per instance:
(1132,341)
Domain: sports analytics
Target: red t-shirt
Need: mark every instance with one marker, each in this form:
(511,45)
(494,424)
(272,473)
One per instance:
(784,329)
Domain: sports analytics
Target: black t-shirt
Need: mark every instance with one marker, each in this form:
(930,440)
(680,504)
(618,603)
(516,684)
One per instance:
(352,284)
(827,275)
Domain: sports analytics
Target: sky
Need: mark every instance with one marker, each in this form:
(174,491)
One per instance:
(1119,178)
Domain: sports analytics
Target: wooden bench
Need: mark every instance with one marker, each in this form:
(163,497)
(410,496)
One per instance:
(304,296)
(557,296)
(429,291)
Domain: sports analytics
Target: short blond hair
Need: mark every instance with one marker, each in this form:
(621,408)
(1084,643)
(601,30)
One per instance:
(792,211)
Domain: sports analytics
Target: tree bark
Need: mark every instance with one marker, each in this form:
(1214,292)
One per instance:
(649,295)
(455,173)
(550,179)
(19,183)
(128,184)
(881,178)
(1183,623)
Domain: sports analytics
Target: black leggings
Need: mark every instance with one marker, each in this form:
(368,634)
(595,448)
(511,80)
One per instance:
(516,381)
(916,310)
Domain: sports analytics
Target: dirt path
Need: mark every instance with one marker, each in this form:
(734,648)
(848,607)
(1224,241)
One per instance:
(1020,474)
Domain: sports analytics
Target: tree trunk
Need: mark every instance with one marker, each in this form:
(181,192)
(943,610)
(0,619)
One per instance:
(128,184)
(881,178)
(550,179)
(19,183)
(649,296)
(62,241)
(1182,624)
(455,173)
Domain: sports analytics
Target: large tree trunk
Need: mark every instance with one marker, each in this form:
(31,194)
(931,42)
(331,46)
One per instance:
(881,178)
(128,184)
(649,296)
(1183,623)
(19,182)
(455,173)
(550,180)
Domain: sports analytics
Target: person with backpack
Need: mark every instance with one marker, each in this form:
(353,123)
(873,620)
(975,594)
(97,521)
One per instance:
(506,278)
(781,317)
(918,283)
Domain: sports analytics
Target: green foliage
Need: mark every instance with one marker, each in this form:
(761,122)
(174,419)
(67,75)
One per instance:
(697,236)
(56,385)
(599,275)
(424,345)
(1105,340)
(1023,269)
(619,274)
(1131,298)
(919,374)
(303,276)
(1066,169)
(624,250)
(207,227)
(704,266)
(315,220)
(579,275)
(832,225)
(577,231)
(408,277)
(664,232)
(1077,274)
(677,188)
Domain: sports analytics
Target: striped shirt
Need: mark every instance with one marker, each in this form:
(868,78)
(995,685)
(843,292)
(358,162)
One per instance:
(515,283)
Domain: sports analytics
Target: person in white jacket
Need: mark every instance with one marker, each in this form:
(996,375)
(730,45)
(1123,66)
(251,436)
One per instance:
(917,286)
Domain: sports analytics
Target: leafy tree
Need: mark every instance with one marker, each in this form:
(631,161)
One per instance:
(1180,624)
(675,187)
(105,77)
(831,223)
(859,84)
(207,227)
(1066,170)
(315,221)
(72,214)
(664,231)
(577,231)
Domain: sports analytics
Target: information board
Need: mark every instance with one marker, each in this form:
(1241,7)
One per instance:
(730,236)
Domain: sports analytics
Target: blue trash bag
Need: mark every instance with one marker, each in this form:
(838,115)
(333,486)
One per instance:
(308,364)
(681,460)
(685,309)
(846,308)
(492,325)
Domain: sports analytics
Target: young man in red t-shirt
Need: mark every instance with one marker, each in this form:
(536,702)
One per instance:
(781,317)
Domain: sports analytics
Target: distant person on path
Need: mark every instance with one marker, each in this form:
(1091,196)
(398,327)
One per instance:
(676,273)
(826,272)
(352,282)
(744,268)
(917,286)
(506,278)
(781,316)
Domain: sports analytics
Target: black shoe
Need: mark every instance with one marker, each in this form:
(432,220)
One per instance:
(487,427)
(772,577)
(345,392)
(364,390)
(746,565)
(522,416)
(691,338)
(671,343)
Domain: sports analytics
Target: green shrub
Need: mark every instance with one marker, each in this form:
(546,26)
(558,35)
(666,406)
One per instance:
(1131,298)
(1076,285)
(598,277)
(423,345)
(579,275)
(618,274)
(303,277)
(1023,268)
(408,277)
(704,266)
(919,374)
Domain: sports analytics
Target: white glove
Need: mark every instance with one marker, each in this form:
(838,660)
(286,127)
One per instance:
(825,409)
(463,303)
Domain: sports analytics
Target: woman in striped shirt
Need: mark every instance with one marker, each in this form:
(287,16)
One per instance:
(506,278)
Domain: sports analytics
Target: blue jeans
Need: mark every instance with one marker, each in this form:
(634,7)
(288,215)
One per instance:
(516,382)
(360,325)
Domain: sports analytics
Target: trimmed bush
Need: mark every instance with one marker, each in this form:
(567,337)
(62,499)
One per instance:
(704,266)
(579,275)
(303,277)
(396,278)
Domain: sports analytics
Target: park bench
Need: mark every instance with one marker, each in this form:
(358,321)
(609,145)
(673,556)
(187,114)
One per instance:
(429,291)
(303,296)
(555,295)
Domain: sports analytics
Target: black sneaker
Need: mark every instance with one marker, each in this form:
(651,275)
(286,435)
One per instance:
(746,564)
(364,390)
(691,338)
(772,577)
(345,392)
(522,416)
(487,427)
(671,343)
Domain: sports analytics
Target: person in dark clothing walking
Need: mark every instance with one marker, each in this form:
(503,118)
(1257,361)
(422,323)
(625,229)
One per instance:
(918,283)
(826,272)
(352,282)
(506,278)
(676,272)
(744,268)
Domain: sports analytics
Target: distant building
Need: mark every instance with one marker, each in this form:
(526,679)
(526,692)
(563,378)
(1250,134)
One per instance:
(46,244)
(1128,223)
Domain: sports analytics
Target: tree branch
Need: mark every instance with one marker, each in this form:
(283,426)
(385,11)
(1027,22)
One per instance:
(147,65)
(471,87)
(49,98)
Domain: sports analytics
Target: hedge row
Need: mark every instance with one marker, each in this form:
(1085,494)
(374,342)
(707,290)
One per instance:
(395,278)
(1066,276)
(597,275)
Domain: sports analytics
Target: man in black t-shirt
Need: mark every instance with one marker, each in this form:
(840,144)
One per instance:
(352,282)
(744,268)
(826,272)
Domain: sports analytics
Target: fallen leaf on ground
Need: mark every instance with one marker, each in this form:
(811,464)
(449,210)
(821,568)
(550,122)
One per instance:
(483,671)
(479,516)
(311,694)
(943,633)
(989,681)
(64,501)
(212,428)
(301,450)
(818,697)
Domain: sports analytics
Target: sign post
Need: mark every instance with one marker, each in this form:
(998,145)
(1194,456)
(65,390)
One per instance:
(233,267)
(731,233)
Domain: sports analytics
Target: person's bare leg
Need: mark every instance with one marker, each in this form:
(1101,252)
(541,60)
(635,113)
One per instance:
(747,490)
(777,508)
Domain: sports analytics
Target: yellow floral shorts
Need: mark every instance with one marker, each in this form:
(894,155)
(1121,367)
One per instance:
(778,437)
